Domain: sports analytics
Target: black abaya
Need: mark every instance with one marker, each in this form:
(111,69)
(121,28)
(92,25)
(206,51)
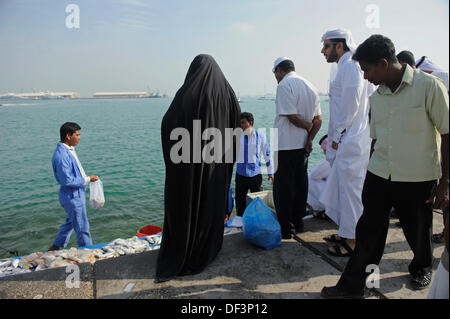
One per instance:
(196,193)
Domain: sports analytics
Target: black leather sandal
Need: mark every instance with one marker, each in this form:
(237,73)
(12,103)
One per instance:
(333,239)
(337,250)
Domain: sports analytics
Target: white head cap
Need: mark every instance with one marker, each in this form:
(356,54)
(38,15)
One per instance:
(425,64)
(341,34)
(278,61)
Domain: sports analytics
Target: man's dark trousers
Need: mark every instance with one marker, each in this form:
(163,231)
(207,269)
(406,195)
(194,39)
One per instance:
(290,189)
(379,196)
(243,185)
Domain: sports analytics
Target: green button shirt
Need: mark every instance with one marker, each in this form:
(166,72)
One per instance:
(407,125)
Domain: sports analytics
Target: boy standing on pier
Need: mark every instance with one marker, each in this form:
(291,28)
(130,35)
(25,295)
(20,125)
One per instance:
(253,144)
(73,180)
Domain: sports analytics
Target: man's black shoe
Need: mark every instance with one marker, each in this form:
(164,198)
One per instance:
(300,228)
(421,282)
(335,293)
(286,236)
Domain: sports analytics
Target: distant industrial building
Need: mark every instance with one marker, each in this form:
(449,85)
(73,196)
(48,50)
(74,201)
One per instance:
(120,95)
(41,95)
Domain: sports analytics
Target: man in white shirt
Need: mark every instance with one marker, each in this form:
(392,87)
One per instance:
(298,119)
(348,140)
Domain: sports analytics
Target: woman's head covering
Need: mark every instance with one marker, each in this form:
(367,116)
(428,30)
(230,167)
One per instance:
(205,95)
(341,34)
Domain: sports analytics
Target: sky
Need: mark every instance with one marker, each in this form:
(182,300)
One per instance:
(138,45)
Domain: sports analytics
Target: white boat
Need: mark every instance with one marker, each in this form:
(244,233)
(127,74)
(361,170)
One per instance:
(10,96)
(267,97)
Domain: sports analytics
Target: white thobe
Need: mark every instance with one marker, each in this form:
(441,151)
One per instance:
(443,76)
(317,180)
(348,126)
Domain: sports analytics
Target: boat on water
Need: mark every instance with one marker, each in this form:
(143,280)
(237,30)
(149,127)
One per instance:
(10,96)
(267,97)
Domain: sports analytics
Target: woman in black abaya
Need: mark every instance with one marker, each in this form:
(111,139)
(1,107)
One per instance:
(196,192)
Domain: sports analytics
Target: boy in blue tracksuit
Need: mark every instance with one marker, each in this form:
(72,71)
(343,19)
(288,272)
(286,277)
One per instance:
(73,180)
(253,144)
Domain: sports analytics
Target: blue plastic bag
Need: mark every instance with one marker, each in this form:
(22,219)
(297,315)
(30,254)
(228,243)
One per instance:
(261,226)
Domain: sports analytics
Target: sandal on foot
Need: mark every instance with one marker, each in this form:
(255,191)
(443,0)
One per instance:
(337,250)
(333,239)
(320,215)
(438,238)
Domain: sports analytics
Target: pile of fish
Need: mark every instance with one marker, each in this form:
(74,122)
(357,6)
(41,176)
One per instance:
(66,257)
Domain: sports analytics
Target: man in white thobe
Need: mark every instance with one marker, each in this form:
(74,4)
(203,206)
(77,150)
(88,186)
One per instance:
(348,140)
(317,179)
(426,65)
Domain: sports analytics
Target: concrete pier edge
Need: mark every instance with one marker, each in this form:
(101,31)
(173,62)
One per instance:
(298,269)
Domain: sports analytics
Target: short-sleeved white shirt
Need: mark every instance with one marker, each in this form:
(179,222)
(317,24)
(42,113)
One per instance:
(295,95)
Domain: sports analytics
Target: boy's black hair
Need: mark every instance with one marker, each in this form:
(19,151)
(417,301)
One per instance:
(248,117)
(407,57)
(374,49)
(68,128)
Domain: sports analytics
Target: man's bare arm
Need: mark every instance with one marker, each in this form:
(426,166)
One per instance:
(297,121)
(317,123)
(440,194)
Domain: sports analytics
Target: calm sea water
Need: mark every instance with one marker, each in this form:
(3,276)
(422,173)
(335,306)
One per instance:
(120,142)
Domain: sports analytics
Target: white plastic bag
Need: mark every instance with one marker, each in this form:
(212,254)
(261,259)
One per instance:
(96,196)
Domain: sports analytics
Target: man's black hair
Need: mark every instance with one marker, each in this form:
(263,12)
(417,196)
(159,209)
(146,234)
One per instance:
(374,49)
(248,117)
(286,66)
(406,57)
(346,48)
(68,128)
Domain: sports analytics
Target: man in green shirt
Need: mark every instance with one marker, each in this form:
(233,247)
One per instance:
(408,169)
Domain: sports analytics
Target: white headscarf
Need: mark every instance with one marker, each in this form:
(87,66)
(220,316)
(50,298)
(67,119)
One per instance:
(341,34)
(428,65)
(436,70)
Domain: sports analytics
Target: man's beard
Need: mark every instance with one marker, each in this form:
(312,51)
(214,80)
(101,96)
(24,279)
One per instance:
(333,57)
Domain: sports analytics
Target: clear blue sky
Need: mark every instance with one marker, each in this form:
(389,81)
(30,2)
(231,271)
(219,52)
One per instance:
(132,45)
